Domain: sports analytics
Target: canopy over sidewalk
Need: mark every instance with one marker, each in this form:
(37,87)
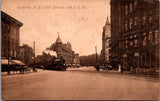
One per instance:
(17,62)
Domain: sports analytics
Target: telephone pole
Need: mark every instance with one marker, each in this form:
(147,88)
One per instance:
(34,55)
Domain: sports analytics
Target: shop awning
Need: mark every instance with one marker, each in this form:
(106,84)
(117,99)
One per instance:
(5,62)
(17,62)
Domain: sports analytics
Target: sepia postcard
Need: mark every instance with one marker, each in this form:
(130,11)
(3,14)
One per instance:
(80,50)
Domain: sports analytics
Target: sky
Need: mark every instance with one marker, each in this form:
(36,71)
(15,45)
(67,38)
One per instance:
(78,21)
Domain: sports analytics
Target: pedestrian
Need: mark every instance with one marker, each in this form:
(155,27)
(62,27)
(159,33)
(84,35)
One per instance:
(97,67)
(107,68)
(121,69)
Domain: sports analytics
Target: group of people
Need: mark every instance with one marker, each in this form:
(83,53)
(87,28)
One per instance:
(105,67)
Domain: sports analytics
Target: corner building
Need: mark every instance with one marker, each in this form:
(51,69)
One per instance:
(135,33)
(10,36)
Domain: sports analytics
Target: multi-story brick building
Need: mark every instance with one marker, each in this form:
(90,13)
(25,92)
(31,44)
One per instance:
(106,43)
(135,33)
(26,54)
(10,38)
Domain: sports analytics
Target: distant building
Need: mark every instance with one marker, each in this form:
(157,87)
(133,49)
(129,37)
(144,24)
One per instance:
(135,33)
(76,60)
(64,50)
(26,54)
(10,38)
(106,43)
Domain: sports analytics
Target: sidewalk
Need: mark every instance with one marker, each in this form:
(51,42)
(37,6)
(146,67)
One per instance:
(19,73)
(154,75)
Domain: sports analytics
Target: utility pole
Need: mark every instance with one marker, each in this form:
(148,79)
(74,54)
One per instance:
(97,66)
(8,55)
(34,55)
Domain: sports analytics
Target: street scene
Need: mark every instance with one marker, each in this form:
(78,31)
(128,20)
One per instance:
(79,84)
(80,50)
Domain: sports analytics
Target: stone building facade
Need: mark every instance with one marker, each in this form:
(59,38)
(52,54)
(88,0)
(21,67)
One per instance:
(10,38)
(106,43)
(135,33)
(26,54)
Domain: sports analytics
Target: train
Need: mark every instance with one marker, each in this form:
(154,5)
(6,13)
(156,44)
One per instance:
(52,64)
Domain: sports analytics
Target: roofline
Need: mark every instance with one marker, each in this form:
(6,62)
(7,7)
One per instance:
(11,18)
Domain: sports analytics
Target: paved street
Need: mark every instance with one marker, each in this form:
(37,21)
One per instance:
(79,84)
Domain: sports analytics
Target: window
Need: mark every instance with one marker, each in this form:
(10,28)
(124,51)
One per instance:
(130,23)
(3,27)
(126,25)
(126,42)
(4,51)
(150,19)
(135,36)
(131,8)
(16,43)
(144,39)
(8,28)
(156,35)
(150,36)
(109,50)
(157,13)
(4,40)
(135,21)
(15,53)
(144,20)
(12,53)
(126,9)
(135,5)
(135,42)
(12,41)
(131,43)
(119,45)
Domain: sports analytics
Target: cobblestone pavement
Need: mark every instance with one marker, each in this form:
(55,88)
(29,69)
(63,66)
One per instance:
(79,84)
